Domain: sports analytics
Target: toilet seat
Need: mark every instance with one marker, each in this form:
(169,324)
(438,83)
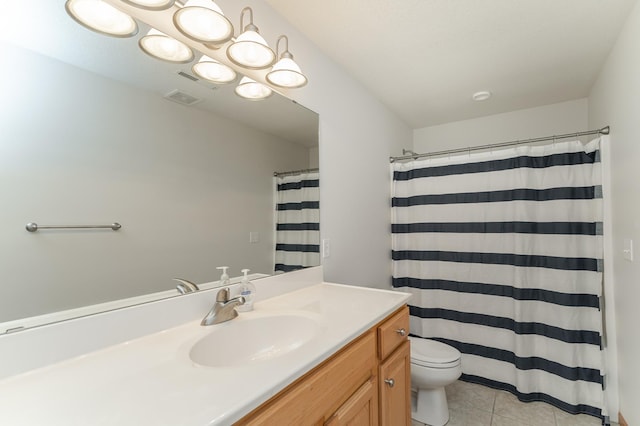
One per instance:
(433,354)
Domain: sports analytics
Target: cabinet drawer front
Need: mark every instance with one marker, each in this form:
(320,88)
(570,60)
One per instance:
(315,397)
(391,334)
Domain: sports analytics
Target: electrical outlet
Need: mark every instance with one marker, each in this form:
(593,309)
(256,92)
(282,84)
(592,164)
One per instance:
(254,237)
(326,248)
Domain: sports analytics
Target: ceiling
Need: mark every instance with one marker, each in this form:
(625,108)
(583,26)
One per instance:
(425,58)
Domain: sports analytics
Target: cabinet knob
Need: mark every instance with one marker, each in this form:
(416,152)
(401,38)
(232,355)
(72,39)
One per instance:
(390,382)
(402,332)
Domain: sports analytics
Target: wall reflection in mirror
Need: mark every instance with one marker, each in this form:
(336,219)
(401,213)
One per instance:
(87,137)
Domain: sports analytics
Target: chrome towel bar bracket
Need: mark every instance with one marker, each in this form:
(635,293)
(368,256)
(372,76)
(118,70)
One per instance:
(33,227)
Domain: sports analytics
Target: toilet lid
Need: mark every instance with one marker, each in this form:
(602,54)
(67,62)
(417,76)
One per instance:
(431,353)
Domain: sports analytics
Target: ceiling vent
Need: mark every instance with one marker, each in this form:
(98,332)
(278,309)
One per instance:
(182,98)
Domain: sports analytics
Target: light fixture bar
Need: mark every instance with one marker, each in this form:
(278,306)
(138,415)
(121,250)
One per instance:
(178,24)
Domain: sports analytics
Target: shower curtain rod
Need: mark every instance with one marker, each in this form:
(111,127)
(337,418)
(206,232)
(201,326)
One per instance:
(603,131)
(295,172)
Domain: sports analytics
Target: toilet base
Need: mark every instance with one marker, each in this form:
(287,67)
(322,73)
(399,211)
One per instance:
(431,407)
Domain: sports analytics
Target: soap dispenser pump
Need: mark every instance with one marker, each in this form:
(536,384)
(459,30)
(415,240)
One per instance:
(248,291)
(224,278)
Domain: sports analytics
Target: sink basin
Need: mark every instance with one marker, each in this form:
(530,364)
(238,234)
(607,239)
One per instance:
(243,341)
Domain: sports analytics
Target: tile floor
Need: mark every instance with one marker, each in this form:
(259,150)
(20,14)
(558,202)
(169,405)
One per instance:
(476,405)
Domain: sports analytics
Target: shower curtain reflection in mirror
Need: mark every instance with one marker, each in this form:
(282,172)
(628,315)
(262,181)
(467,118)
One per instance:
(297,220)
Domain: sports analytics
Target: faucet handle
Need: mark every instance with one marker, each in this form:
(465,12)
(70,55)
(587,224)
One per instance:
(223,295)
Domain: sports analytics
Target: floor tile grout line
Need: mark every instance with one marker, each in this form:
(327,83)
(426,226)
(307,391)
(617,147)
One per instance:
(554,418)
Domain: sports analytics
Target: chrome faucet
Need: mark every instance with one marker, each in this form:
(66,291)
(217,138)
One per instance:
(223,310)
(185,286)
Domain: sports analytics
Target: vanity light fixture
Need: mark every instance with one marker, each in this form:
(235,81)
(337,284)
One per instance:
(286,73)
(250,50)
(212,70)
(101,17)
(204,22)
(252,90)
(151,4)
(163,47)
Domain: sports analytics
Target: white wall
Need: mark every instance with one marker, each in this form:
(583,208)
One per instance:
(88,150)
(555,119)
(357,136)
(615,101)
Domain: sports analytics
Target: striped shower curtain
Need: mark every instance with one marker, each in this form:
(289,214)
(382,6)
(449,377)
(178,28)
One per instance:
(297,221)
(502,252)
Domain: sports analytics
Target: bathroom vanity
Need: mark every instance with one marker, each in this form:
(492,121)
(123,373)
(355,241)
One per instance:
(365,383)
(309,353)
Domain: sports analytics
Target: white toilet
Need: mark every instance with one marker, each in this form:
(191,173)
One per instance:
(434,365)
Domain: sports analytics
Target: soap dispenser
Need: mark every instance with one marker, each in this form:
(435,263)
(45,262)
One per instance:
(224,278)
(248,291)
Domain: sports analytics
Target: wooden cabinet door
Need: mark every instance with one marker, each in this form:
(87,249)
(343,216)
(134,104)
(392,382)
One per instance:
(361,409)
(395,388)
(318,395)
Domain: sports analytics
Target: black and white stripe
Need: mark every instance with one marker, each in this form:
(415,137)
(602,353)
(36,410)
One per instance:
(503,255)
(297,222)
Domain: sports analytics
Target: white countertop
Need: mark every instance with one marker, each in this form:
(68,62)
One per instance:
(152,381)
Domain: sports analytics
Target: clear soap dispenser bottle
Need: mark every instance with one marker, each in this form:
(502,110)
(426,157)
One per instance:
(248,291)
(224,278)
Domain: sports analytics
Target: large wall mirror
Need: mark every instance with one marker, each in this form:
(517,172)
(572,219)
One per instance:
(88,138)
